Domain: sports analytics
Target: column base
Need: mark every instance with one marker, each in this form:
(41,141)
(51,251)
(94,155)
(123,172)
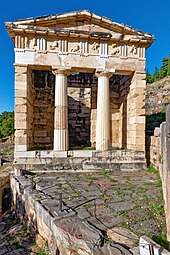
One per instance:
(60,140)
(103,146)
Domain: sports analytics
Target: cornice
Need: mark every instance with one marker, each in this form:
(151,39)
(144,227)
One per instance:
(41,25)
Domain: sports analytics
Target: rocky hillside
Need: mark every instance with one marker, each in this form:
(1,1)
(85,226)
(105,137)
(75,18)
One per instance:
(157,96)
(157,99)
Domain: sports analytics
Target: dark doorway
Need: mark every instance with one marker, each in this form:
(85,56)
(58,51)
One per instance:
(80,87)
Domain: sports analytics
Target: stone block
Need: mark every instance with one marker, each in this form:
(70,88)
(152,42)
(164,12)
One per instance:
(136,133)
(82,153)
(146,244)
(20,140)
(24,154)
(136,140)
(123,236)
(21,85)
(157,132)
(40,121)
(42,140)
(137,120)
(53,154)
(20,125)
(19,133)
(20,93)
(20,108)
(40,133)
(20,101)
(138,83)
(137,147)
(20,147)
(19,117)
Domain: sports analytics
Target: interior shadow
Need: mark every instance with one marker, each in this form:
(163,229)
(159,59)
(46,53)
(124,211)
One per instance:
(81,113)
(79,123)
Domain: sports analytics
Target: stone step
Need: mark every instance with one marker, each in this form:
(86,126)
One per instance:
(127,166)
(87,166)
(119,160)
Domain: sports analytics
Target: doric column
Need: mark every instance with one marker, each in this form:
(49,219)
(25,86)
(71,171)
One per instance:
(103,112)
(61,111)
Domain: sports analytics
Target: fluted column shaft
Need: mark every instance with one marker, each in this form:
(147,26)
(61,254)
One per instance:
(61,111)
(103,112)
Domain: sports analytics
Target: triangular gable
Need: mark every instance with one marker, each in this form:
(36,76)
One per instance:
(79,21)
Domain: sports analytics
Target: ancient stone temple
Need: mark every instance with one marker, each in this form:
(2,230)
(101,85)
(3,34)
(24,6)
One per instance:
(79,81)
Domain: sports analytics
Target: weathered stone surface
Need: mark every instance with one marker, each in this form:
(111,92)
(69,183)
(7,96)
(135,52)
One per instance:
(39,101)
(119,205)
(110,160)
(122,235)
(113,248)
(84,219)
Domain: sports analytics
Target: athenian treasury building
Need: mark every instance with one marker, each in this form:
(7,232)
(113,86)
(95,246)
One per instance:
(79,82)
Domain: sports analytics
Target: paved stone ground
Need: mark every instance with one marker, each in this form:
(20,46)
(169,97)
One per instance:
(105,200)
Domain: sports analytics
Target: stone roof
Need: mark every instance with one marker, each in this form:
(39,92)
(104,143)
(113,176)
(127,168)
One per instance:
(59,22)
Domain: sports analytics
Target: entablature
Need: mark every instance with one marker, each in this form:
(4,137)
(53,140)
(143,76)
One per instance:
(81,46)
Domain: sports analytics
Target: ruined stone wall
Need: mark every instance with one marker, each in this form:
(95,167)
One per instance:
(136,112)
(93,115)
(79,109)
(82,104)
(153,149)
(159,156)
(114,116)
(43,109)
(123,111)
(30,103)
(23,108)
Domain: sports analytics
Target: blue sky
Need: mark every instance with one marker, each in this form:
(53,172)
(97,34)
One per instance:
(149,16)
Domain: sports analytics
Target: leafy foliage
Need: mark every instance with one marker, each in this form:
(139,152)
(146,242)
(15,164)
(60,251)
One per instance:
(164,68)
(149,77)
(159,73)
(161,240)
(6,124)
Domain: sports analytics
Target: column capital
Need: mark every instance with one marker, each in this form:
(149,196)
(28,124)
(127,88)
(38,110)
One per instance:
(61,71)
(104,73)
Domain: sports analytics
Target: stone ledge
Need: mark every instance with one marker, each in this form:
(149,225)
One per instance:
(81,160)
(145,243)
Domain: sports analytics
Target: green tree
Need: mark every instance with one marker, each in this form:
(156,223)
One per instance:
(149,77)
(164,68)
(156,75)
(159,74)
(6,124)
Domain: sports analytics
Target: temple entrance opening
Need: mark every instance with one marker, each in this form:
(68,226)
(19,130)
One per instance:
(82,107)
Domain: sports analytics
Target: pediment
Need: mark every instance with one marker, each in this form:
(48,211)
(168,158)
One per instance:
(79,22)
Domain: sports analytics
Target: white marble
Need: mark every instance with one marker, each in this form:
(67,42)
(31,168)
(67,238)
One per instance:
(60,117)
(103,113)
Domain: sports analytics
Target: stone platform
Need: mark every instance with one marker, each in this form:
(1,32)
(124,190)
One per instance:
(115,160)
(90,213)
